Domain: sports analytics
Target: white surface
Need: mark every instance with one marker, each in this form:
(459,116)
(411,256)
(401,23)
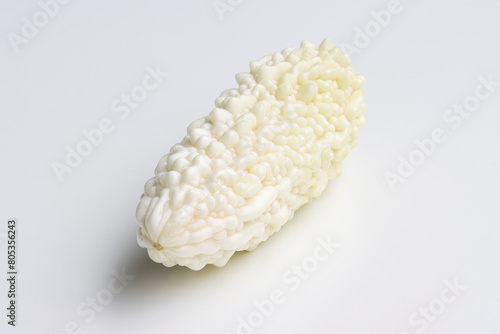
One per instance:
(395,250)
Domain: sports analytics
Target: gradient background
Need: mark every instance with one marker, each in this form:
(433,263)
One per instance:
(396,247)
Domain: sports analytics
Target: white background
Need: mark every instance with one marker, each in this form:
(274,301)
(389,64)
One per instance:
(397,248)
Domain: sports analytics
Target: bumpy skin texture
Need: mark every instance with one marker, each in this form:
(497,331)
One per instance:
(268,148)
